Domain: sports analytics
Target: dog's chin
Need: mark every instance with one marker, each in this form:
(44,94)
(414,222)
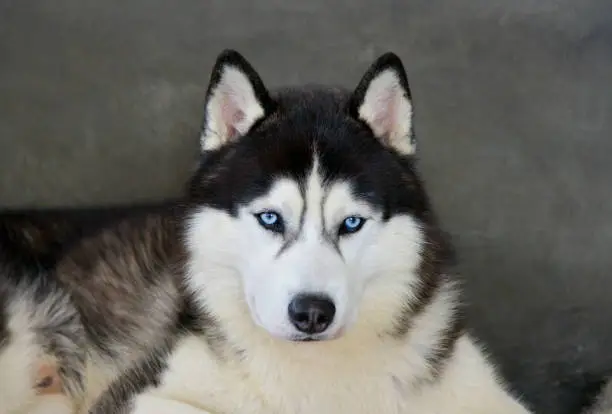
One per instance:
(306,339)
(299,337)
(295,337)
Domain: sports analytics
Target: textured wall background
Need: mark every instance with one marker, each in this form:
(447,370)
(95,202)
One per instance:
(100,102)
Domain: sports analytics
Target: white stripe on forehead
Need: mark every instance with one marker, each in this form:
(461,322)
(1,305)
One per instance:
(314,195)
(327,204)
(316,208)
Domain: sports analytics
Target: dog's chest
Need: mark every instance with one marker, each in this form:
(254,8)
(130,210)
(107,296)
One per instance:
(198,377)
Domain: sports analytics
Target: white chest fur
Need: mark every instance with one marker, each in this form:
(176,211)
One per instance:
(275,385)
(380,384)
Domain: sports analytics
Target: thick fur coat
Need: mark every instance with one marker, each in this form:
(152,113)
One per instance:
(305,272)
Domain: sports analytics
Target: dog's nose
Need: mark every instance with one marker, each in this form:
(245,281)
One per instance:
(311,313)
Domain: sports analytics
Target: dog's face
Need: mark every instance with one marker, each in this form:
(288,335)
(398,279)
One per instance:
(307,205)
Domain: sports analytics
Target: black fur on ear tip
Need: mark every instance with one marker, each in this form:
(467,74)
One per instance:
(386,61)
(231,58)
(391,61)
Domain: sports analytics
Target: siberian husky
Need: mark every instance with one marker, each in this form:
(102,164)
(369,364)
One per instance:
(306,272)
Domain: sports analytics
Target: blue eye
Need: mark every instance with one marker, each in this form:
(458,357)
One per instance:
(351,224)
(268,219)
(271,221)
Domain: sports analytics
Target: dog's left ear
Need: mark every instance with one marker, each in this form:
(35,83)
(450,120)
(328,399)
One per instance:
(235,100)
(383,102)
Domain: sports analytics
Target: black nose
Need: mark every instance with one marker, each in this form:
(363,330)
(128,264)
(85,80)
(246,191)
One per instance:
(311,314)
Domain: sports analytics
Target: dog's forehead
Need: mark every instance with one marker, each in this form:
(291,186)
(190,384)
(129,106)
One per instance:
(315,195)
(309,126)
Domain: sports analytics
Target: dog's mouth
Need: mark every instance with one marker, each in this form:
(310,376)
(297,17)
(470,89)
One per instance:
(313,338)
(308,339)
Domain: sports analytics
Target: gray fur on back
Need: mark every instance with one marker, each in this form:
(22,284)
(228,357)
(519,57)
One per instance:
(127,284)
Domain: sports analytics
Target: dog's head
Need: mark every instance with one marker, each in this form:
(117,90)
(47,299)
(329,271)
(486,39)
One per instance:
(308,210)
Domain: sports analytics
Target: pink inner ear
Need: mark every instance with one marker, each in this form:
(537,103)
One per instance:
(385,112)
(231,116)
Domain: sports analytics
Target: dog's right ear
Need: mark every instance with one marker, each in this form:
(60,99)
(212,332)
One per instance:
(236,99)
